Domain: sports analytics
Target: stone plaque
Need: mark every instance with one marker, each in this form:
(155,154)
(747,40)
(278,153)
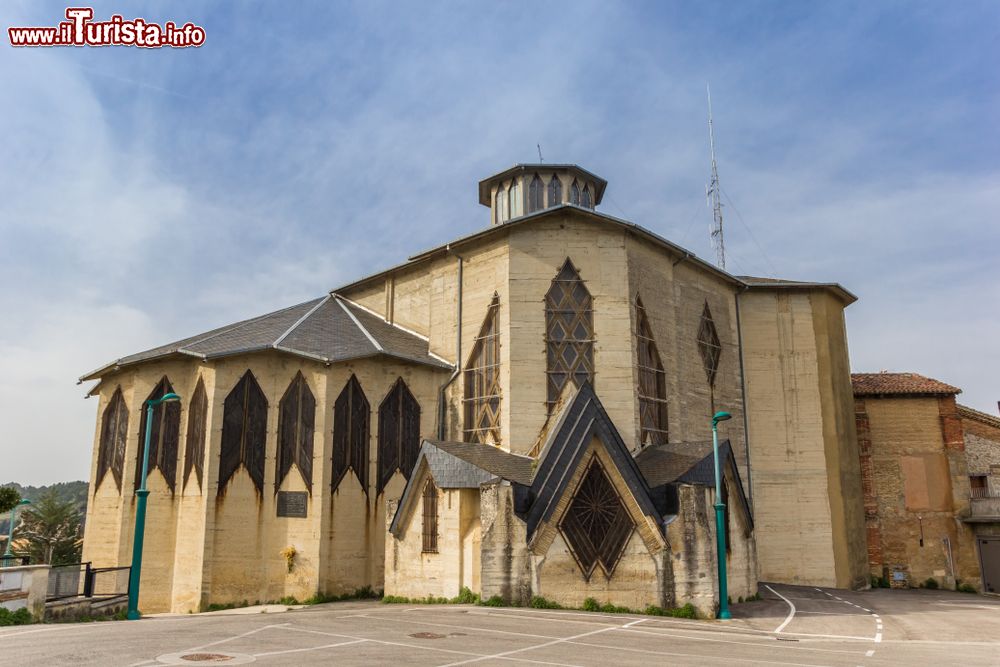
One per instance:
(292,503)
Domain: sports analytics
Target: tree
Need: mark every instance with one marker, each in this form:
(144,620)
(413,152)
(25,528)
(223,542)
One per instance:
(9,497)
(52,530)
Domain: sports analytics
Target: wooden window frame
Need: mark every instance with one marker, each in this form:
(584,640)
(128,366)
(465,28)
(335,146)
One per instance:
(536,194)
(164,440)
(709,346)
(652,383)
(483,397)
(398,434)
(569,310)
(554,191)
(429,543)
(114,434)
(244,433)
(296,430)
(194,446)
(351,434)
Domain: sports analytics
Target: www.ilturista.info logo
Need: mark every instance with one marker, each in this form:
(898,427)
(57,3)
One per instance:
(80,30)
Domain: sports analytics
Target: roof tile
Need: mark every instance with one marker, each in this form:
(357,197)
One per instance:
(899,384)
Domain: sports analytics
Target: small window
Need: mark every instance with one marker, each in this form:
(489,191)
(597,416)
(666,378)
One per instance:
(585,200)
(514,209)
(555,191)
(430,541)
(574,193)
(978,486)
(498,205)
(536,194)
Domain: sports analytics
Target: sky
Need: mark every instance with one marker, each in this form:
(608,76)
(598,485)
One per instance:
(148,195)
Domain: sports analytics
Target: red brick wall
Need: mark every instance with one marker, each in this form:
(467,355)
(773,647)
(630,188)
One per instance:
(872,525)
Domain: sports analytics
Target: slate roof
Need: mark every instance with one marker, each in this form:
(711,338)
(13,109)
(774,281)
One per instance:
(329,329)
(899,384)
(489,458)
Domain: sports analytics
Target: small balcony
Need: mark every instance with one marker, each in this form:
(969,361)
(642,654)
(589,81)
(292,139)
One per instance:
(984,506)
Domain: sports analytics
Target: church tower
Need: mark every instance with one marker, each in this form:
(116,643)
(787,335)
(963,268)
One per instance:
(528,188)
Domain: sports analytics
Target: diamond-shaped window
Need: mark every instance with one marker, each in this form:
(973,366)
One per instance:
(708,345)
(596,524)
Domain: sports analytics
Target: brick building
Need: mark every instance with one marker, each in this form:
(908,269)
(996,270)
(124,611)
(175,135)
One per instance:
(915,480)
(982,450)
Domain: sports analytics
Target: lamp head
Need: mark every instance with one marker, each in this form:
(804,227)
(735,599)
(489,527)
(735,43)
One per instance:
(170,398)
(24,501)
(720,416)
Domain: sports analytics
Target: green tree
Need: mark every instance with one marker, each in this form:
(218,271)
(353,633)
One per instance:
(8,498)
(52,530)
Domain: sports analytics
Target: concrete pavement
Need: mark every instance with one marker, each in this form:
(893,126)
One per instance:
(826,627)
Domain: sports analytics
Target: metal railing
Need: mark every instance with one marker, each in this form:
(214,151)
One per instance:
(984,492)
(108,582)
(14,561)
(67,581)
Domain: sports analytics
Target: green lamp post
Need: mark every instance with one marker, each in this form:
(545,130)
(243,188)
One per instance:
(7,554)
(720,517)
(140,510)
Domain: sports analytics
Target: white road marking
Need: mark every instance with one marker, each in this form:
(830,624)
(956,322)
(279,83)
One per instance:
(311,648)
(636,622)
(870,653)
(765,642)
(791,613)
(701,659)
(528,648)
(229,639)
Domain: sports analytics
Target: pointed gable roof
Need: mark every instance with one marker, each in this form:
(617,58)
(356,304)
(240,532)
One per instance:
(582,418)
(329,329)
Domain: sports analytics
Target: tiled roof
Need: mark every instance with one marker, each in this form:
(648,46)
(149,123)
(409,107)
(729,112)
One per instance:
(491,459)
(966,412)
(329,329)
(899,384)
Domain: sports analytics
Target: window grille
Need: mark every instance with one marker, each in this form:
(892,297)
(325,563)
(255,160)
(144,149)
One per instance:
(114,431)
(708,345)
(164,437)
(430,527)
(194,449)
(569,332)
(536,195)
(596,524)
(244,432)
(652,383)
(574,193)
(296,424)
(555,191)
(351,427)
(482,381)
(398,434)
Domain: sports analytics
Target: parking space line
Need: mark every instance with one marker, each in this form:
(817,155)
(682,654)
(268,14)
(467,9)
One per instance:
(765,642)
(311,648)
(528,648)
(791,612)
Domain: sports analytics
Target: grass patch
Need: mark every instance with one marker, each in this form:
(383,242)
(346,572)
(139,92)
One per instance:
(687,611)
(465,596)
(538,602)
(20,617)
(965,588)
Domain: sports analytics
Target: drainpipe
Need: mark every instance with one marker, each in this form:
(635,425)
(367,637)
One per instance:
(442,409)
(743,391)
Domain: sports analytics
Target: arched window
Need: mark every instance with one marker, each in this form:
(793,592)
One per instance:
(574,193)
(569,332)
(114,431)
(194,449)
(652,382)
(555,191)
(536,195)
(514,204)
(296,421)
(430,527)
(244,432)
(482,382)
(708,345)
(351,426)
(498,205)
(164,438)
(585,200)
(398,434)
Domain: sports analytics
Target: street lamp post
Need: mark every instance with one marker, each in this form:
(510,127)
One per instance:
(720,516)
(140,510)
(7,553)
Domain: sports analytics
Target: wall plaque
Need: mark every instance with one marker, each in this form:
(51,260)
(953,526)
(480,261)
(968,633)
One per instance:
(292,503)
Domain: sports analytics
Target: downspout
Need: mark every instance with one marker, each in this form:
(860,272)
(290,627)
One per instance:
(743,391)
(442,409)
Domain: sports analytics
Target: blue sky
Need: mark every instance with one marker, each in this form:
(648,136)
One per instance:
(151,194)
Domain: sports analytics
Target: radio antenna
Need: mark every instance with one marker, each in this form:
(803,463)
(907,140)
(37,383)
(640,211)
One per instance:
(713,195)
(539,152)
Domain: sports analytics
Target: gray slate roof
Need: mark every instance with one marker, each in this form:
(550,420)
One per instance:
(329,329)
(492,460)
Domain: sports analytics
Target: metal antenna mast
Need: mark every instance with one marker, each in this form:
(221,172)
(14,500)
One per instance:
(713,195)
(539,152)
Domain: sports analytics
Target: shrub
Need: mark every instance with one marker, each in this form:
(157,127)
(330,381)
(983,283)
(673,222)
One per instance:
(590,604)
(495,601)
(966,588)
(466,596)
(288,600)
(931,583)
(20,617)
(538,602)
(609,608)
(687,611)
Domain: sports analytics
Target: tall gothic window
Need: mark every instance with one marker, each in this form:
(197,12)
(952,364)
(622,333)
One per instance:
(398,434)
(244,432)
(574,193)
(351,426)
(296,423)
(555,191)
(652,382)
(569,332)
(498,204)
(536,195)
(596,524)
(430,527)
(164,438)
(585,200)
(708,345)
(482,381)
(194,448)
(514,204)
(114,431)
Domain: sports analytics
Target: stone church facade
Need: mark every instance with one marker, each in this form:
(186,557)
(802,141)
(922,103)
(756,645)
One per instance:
(523,411)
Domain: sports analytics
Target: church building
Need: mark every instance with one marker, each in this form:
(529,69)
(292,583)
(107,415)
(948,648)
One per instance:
(524,411)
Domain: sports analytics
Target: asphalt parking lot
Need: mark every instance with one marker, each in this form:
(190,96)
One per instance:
(790,626)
